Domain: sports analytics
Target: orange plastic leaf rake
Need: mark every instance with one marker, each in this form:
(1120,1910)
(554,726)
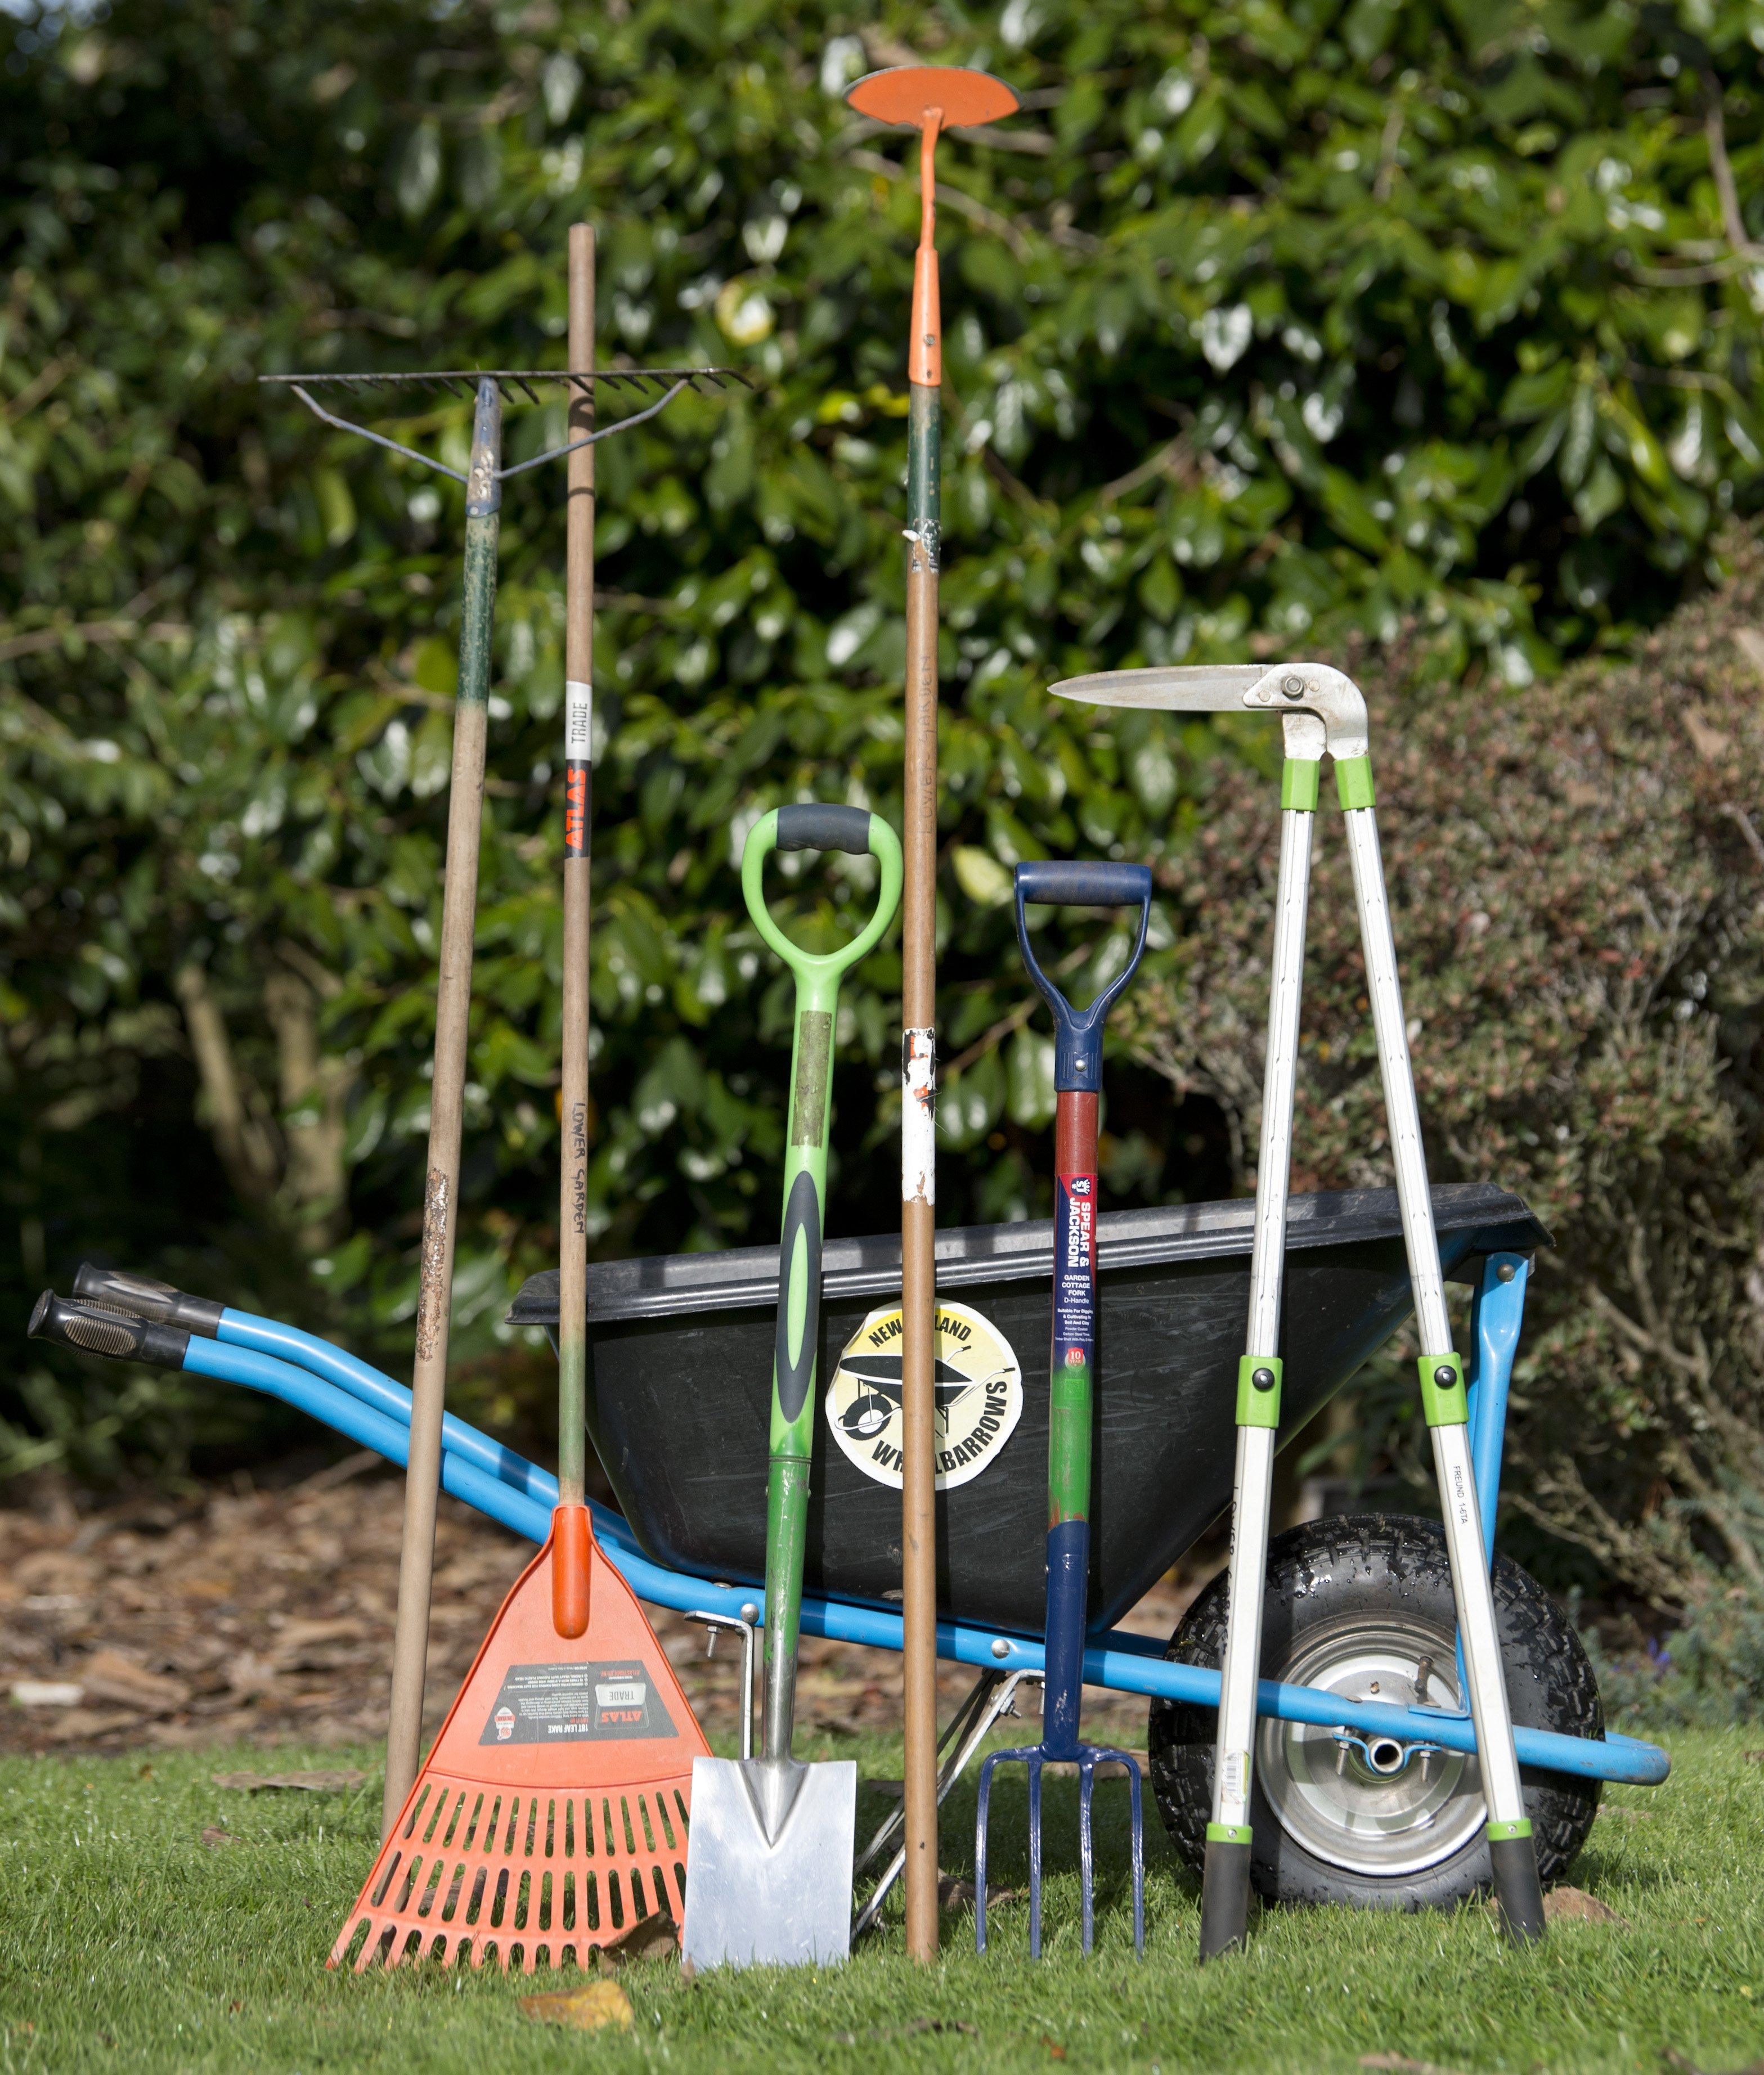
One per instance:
(553,1813)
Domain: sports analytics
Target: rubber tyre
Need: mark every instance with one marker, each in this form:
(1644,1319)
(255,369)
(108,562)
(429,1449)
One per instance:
(1328,1574)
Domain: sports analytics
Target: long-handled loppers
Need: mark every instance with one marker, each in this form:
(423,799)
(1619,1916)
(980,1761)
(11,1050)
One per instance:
(1321,709)
(1078,1083)
(771,1840)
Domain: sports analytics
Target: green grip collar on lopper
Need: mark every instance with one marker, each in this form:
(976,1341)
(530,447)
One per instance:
(1258,1390)
(1230,1833)
(1501,1833)
(1353,782)
(1300,781)
(1443,1398)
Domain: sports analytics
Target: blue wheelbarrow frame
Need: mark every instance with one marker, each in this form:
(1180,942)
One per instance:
(371,1410)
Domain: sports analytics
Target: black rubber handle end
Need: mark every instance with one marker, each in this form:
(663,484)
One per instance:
(139,1297)
(814,826)
(95,1330)
(1224,1900)
(1516,1888)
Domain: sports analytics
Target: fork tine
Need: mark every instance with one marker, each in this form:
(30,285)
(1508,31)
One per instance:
(1035,1853)
(1086,1854)
(981,1803)
(1139,1860)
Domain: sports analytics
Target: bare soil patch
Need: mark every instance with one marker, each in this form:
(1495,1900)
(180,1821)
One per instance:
(241,1615)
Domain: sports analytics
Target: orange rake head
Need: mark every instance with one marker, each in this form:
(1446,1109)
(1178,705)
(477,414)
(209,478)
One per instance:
(929,99)
(553,1813)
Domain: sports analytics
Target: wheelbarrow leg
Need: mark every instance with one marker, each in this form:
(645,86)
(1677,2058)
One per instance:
(993,1696)
(1512,1854)
(1224,1901)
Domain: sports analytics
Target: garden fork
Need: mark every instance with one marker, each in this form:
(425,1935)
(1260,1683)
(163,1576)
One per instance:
(1078,1083)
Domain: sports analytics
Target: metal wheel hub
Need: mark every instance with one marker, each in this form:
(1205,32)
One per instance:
(1373,1805)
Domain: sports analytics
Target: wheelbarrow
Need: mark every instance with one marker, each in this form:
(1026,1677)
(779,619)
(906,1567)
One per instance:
(1366,1755)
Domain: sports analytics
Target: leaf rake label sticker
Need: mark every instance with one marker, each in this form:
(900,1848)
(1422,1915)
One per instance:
(979,1396)
(556,1704)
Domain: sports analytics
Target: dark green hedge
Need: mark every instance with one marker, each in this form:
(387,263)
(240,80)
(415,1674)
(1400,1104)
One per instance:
(1577,879)
(1314,326)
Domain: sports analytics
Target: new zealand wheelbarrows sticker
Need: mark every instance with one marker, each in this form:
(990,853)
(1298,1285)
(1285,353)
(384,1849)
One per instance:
(979,1396)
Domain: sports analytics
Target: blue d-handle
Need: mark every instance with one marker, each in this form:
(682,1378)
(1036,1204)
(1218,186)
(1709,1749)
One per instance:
(1078,1034)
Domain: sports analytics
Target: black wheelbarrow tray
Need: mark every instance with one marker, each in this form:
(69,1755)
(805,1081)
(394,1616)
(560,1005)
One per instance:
(678,1402)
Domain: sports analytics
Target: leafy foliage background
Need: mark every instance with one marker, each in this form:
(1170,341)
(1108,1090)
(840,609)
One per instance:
(1315,326)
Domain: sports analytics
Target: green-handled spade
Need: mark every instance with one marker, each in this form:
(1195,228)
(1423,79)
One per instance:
(771,1840)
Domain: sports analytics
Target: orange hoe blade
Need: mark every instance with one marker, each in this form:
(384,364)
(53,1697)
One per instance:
(552,1815)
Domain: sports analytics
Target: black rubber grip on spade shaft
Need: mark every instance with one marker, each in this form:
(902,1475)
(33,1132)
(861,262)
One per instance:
(101,1331)
(1516,1888)
(139,1297)
(814,826)
(1224,1898)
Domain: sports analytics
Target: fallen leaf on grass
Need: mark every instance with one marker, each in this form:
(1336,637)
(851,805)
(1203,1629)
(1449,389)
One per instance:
(1678,2061)
(1055,2051)
(214,1836)
(1752,1756)
(1629,1815)
(585,2009)
(308,1782)
(1400,2064)
(649,1938)
(953,1894)
(1574,1905)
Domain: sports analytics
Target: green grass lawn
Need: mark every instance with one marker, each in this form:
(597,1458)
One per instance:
(128,1943)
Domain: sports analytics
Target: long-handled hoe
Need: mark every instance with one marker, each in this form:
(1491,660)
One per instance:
(928,98)
(1077,1083)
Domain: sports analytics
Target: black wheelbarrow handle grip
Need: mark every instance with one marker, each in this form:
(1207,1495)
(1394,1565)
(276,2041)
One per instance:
(814,826)
(97,1331)
(1077,1033)
(140,1296)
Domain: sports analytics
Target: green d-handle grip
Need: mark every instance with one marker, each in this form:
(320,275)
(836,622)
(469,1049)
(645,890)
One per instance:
(1077,1033)
(811,826)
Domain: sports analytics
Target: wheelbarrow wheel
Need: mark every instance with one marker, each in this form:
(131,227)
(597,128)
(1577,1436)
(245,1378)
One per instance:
(1363,1606)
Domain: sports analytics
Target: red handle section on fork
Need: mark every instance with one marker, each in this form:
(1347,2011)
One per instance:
(571,1540)
(1074,1132)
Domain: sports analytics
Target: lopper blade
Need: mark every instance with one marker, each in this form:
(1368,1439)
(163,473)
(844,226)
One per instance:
(1199,688)
(772,1847)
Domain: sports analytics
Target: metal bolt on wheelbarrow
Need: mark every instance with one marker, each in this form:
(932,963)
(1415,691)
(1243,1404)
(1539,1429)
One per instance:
(772,1839)
(1321,709)
(482,478)
(1078,1083)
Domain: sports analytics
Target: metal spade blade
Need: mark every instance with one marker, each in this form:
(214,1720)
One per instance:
(772,1849)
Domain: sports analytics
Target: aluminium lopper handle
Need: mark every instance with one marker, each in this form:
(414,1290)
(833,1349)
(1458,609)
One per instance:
(1077,1033)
